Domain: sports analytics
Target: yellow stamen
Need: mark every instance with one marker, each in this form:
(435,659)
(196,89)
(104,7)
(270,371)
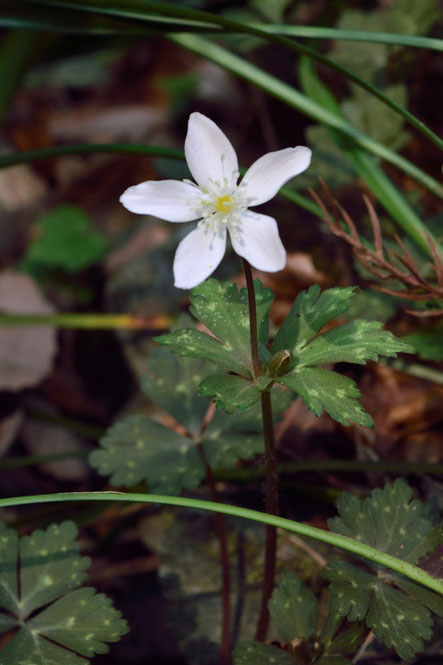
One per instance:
(223,204)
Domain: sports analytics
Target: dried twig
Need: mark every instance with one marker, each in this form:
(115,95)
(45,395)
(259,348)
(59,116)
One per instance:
(380,261)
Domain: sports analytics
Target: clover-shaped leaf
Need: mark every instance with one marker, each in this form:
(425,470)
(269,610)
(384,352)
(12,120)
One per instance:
(224,311)
(395,609)
(55,621)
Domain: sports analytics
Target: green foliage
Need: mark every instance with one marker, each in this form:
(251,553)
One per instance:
(293,609)
(311,311)
(354,342)
(66,240)
(428,342)
(231,392)
(258,653)
(322,389)
(396,611)
(295,615)
(138,448)
(224,311)
(45,570)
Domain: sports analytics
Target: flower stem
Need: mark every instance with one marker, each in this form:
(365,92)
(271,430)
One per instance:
(271,482)
(252,319)
(220,526)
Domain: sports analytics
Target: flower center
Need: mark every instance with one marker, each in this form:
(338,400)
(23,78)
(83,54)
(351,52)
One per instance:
(224,204)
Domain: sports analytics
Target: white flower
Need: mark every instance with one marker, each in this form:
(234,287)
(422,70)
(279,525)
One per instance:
(219,203)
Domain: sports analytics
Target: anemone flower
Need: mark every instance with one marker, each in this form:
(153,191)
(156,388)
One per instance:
(219,203)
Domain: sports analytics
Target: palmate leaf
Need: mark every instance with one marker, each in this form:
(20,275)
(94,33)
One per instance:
(395,609)
(258,653)
(173,382)
(138,448)
(294,609)
(231,392)
(49,569)
(224,311)
(353,342)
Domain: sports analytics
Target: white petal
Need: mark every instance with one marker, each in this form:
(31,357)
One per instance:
(256,239)
(270,172)
(197,256)
(171,200)
(209,153)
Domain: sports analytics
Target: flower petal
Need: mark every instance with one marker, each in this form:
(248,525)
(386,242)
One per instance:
(198,255)
(172,200)
(209,153)
(257,240)
(270,172)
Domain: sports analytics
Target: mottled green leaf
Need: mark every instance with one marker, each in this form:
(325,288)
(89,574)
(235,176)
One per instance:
(138,448)
(312,310)
(294,609)
(395,617)
(258,653)
(224,311)
(66,240)
(49,568)
(82,621)
(388,519)
(353,342)
(231,392)
(50,565)
(173,382)
(229,438)
(322,389)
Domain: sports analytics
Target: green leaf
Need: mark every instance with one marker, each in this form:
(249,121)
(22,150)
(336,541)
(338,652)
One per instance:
(312,310)
(346,641)
(388,519)
(173,382)
(257,653)
(395,618)
(231,392)
(66,240)
(229,438)
(138,448)
(322,389)
(353,342)
(427,342)
(224,311)
(49,568)
(294,609)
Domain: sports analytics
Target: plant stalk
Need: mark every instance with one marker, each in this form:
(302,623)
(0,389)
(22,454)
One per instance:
(271,477)
(220,526)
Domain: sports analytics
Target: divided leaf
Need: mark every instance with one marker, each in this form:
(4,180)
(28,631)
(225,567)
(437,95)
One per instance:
(48,570)
(138,448)
(322,389)
(311,311)
(258,653)
(294,609)
(231,392)
(224,311)
(387,520)
(396,618)
(353,342)
(173,382)
(395,609)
